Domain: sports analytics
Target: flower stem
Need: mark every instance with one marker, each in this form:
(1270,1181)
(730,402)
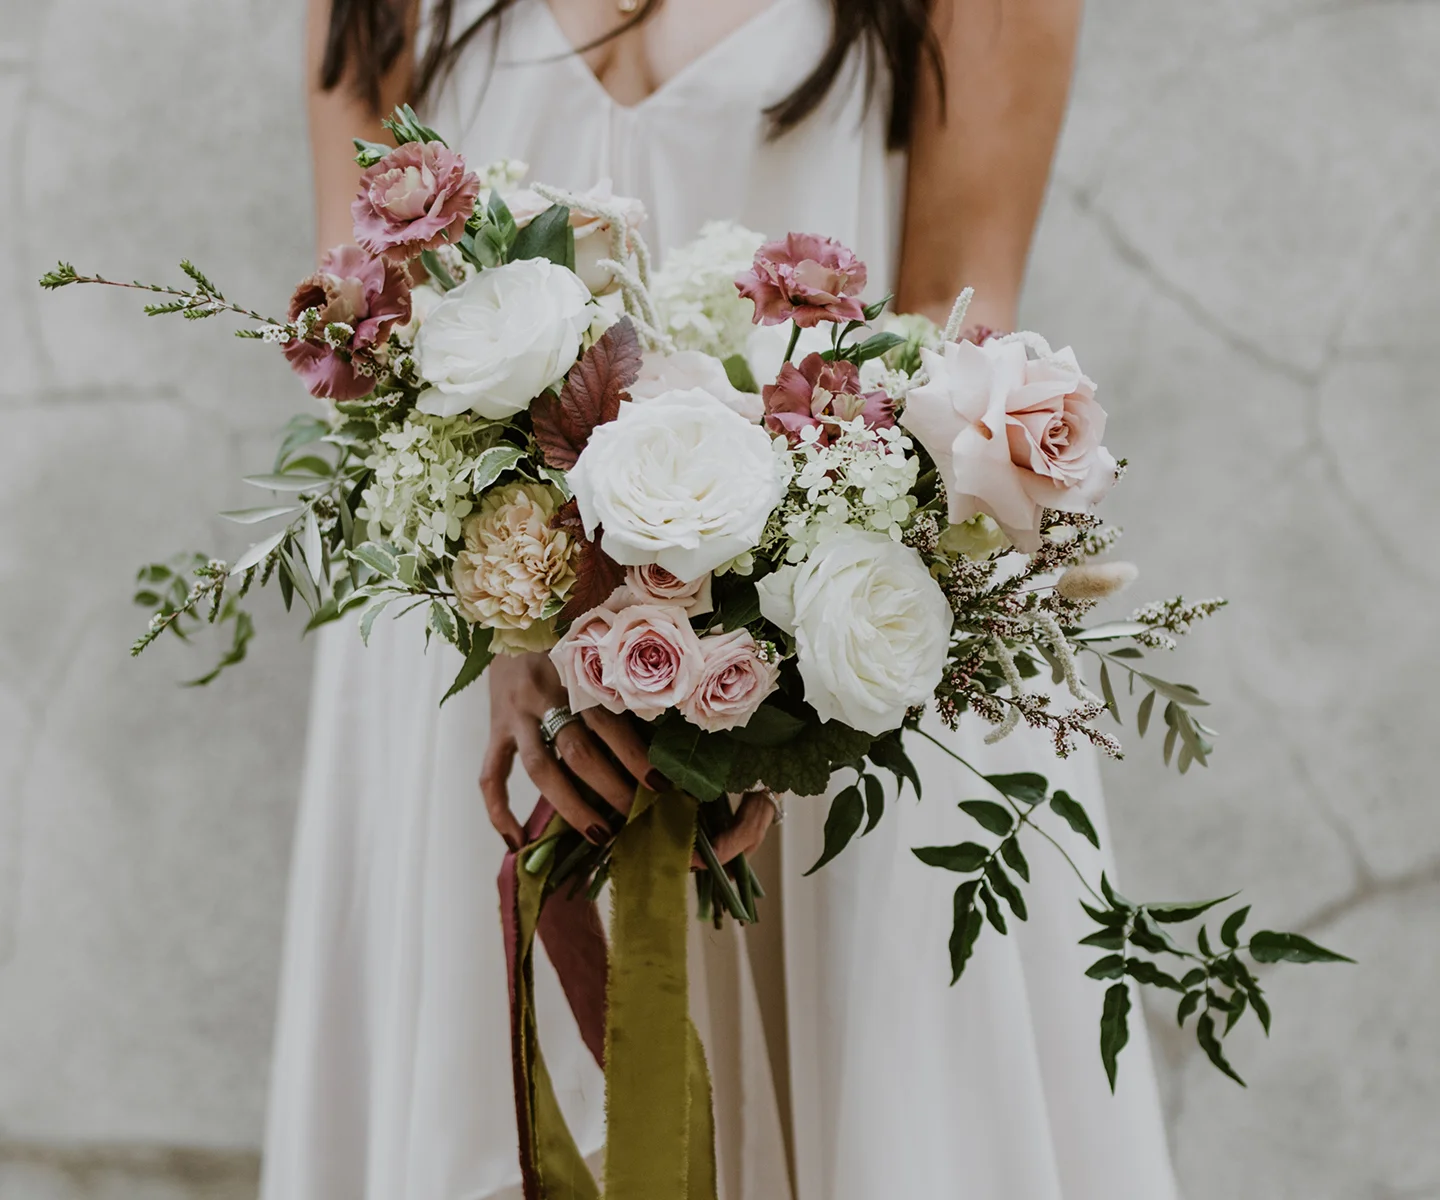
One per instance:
(794,341)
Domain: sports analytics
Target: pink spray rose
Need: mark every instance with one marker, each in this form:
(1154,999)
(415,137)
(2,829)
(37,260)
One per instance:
(653,659)
(819,393)
(418,197)
(733,684)
(581,662)
(1011,435)
(653,584)
(350,288)
(805,277)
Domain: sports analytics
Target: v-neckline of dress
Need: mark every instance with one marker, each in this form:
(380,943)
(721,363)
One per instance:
(697,64)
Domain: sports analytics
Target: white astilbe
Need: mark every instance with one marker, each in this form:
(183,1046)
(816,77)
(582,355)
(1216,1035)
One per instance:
(695,295)
(863,478)
(957,314)
(423,484)
(1065,656)
(1006,659)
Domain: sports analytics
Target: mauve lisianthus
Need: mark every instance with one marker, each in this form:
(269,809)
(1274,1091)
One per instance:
(418,197)
(805,278)
(351,289)
(821,394)
(515,564)
(733,683)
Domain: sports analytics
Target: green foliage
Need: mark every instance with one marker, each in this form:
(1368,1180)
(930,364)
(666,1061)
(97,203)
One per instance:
(548,236)
(737,370)
(475,662)
(804,764)
(692,759)
(407,127)
(847,811)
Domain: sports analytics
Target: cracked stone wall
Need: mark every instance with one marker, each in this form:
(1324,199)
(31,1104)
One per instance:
(1241,239)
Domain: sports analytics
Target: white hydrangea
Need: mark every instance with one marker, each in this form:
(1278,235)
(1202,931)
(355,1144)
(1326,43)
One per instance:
(695,294)
(863,479)
(423,486)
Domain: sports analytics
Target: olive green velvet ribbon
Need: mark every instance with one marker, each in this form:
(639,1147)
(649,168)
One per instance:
(661,1131)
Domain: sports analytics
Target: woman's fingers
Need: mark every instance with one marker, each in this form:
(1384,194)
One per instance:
(547,774)
(494,786)
(752,822)
(618,732)
(579,751)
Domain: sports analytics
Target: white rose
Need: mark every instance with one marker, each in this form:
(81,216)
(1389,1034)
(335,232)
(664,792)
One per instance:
(424,299)
(496,342)
(690,369)
(871,628)
(592,234)
(680,481)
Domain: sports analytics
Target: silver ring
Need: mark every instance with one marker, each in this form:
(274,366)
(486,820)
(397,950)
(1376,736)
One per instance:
(776,803)
(554,720)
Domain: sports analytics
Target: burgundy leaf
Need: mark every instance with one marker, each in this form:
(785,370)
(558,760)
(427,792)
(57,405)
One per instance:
(590,396)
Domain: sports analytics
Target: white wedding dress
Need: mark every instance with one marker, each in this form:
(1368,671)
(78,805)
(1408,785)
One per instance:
(392,1076)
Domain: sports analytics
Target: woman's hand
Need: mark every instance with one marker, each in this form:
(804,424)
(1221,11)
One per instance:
(522,690)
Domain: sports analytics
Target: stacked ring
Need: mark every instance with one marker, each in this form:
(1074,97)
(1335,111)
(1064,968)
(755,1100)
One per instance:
(554,720)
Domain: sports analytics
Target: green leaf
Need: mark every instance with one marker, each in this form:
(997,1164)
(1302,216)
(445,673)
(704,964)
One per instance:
(557,477)
(1202,940)
(298,482)
(1230,931)
(1142,714)
(1005,887)
(475,662)
(1258,1003)
(769,726)
(1205,1035)
(548,236)
(1108,919)
(378,558)
(692,759)
(1187,1007)
(1127,652)
(1181,693)
(1237,1010)
(1112,966)
(254,516)
(1108,631)
(1109,693)
(1268,946)
(737,370)
(872,311)
(1074,815)
(1014,858)
(889,754)
(993,912)
(493,463)
(966,928)
(847,810)
(1170,744)
(327,611)
(803,766)
(994,818)
(442,620)
(736,605)
(437,272)
(1114,1028)
(1149,936)
(1105,939)
(240,641)
(1173,914)
(1027,787)
(258,553)
(874,802)
(368,617)
(1114,898)
(967,856)
(502,218)
(875,346)
(1143,971)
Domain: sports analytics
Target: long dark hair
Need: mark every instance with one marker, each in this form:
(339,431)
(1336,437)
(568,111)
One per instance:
(366,37)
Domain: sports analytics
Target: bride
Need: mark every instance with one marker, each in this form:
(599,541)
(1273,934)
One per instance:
(845,1068)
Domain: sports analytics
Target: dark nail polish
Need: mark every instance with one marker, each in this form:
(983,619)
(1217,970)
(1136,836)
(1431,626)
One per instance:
(598,834)
(656,782)
(512,843)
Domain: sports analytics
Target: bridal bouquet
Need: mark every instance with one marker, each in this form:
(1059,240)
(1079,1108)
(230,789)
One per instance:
(731,498)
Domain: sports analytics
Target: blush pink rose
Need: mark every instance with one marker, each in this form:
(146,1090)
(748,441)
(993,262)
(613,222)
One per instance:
(1010,435)
(580,660)
(351,288)
(652,658)
(653,584)
(805,278)
(418,197)
(733,684)
(819,393)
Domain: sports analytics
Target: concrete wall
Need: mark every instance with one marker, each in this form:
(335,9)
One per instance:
(1241,240)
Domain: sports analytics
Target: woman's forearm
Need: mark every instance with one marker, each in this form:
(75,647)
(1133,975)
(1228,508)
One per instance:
(979,164)
(336,117)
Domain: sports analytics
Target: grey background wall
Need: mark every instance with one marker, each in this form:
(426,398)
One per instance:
(1241,239)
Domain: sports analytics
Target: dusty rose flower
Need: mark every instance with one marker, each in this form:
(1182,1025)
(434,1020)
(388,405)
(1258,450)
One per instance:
(653,584)
(805,277)
(514,565)
(580,659)
(1010,435)
(351,289)
(733,684)
(652,658)
(819,393)
(418,197)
